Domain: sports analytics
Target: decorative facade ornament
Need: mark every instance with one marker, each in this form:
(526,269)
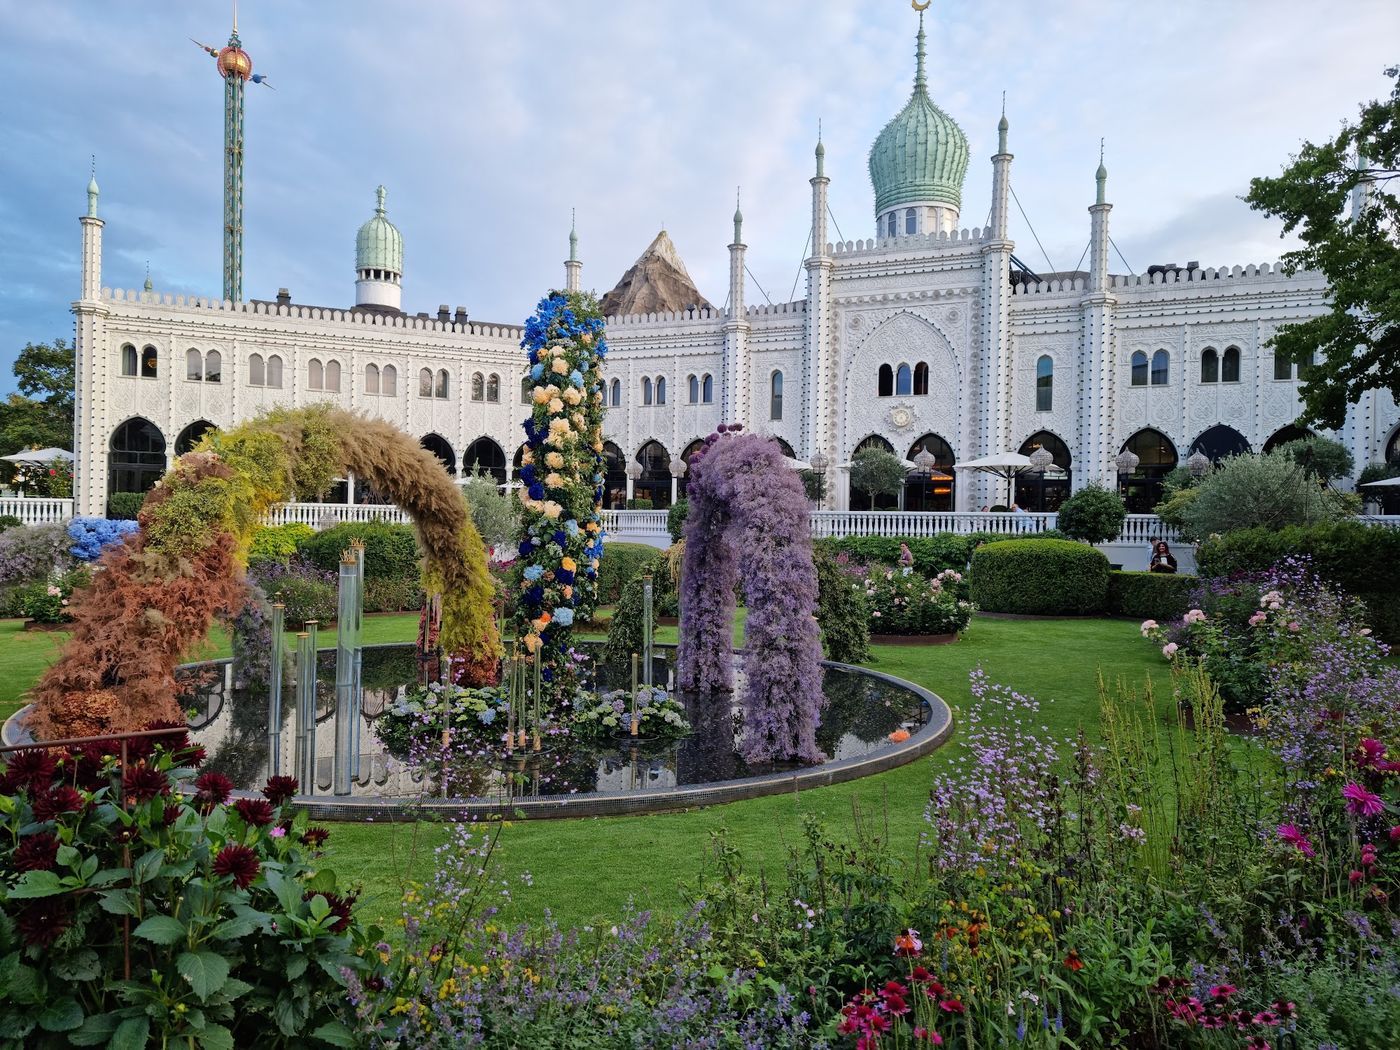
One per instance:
(902,416)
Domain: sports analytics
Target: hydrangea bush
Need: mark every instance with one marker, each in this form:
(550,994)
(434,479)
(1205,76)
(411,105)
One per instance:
(748,517)
(561,474)
(660,716)
(91,536)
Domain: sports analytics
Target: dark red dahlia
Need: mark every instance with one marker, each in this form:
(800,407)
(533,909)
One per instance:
(315,837)
(61,799)
(211,789)
(238,862)
(141,783)
(171,742)
(36,852)
(43,922)
(279,789)
(89,764)
(255,811)
(32,768)
(340,907)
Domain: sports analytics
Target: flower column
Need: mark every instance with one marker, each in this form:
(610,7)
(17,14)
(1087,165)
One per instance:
(561,537)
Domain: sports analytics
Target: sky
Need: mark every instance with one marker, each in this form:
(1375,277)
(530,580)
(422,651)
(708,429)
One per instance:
(490,120)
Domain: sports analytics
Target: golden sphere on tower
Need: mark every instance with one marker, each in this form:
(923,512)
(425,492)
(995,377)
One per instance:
(234,61)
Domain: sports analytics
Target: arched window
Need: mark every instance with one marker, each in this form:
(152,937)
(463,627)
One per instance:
(478,387)
(1044,383)
(931,490)
(1210,365)
(1160,361)
(425,382)
(775,396)
(194,364)
(1139,368)
(493,388)
(333,376)
(129,364)
(389,381)
(1286,434)
(484,456)
(315,375)
(1230,365)
(189,437)
(903,381)
(274,371)
(213,367)
(862,500)
(442,448)
(1142,490)
(525,390)
(911,221)
(707,389)
(921,379)
(616,392)
(646,390)
(441,389)
(660,390)
(614,476)
(136,457)
(891,225)
(693,388)
(1037,491)
(148,362)
(1220,441)
(371,379)
(886,382)
(655,482)
(257,373)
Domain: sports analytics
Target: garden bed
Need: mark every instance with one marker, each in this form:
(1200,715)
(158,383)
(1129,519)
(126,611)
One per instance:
(913,639)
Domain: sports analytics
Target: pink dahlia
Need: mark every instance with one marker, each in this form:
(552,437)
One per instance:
(1362,802)
(1290,834)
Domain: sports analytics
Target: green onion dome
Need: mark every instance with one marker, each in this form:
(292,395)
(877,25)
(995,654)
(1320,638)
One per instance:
(379,245)
(921,155)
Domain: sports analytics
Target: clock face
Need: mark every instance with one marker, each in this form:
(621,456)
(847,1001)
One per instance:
(901,417)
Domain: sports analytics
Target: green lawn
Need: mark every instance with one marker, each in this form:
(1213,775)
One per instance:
(585,870)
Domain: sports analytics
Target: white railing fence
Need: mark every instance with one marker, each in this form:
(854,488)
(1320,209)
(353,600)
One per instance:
(36,510)
(323,515)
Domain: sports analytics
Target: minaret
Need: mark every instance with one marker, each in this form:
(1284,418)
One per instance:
(573,268)
(90,367)
(236,67)
(817,384)
(1097,446)
(734,384)
(379,260)
(996,323)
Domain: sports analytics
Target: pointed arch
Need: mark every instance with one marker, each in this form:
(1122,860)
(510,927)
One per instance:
(1045,492)
(775,395)
(707,390)
(213,367)
(614,476)
(692,383)
(315,374)
(1139,368)
(1219,442)
(478,387)
(862,500)
(937,489)
(150,362)
(646,390)
(442,388)
(130,360)
(371,379)
(1230,365)
(484,456)
(1210,365)
(903,381)
(274,371)
(257,372)
(1157,457)
(189,437)
(389,381)
(442,448)
(135,456)
(1045,383)
(1284,435)
(655,482)
(884,386)
(616,393)
(425,382)
(921,379)
(194,365)
(493,389)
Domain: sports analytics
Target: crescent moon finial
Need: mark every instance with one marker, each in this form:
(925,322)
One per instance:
(918,6)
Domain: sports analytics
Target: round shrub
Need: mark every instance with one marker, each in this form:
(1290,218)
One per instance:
(391,551)
(1093,514)
(9,521)
(125,505)
(33,553)
(675,519)
(841,609)
(619,563)
(1039,577)
(278,542)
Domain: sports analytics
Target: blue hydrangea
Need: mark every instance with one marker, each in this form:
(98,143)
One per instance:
(571,527)
(91,536)
(487,716)
(563,616)
(537,372)
(536,491)
(576,377)
(533,572)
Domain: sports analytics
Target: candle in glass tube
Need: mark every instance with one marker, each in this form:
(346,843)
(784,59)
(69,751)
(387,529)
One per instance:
(537,699)
(634,694)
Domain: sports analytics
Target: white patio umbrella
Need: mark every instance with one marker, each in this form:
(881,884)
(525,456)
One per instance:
(39,456)
(1386,483)
(797,464)
(1005,465)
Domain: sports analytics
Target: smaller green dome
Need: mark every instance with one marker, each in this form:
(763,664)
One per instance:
(922,154)
(379,245)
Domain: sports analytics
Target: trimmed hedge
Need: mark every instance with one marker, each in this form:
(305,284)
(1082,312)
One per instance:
(619,563)
(1149,595)
(932,554)
(125,506)
(1039,578)
(391,551)
(1363,560)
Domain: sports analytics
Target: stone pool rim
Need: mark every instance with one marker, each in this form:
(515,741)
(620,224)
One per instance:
(922,741)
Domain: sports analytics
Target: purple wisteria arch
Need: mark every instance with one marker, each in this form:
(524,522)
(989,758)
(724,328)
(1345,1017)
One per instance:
(748,518)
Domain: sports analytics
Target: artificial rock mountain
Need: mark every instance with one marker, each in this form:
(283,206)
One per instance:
(656,282)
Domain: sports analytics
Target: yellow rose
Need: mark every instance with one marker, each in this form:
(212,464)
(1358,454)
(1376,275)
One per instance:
(553,460)
(541,395)
(554,481)
(568,564)
(552,510)
(555,406)
(559,366)
(572,396)
(577,417)
(526,456)
(532,642)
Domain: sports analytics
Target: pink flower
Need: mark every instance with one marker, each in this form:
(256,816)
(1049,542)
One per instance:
(1290,834)
(1258,618)
(278,832)
(1169,650)
(1293,626)
(1354,876)
(1148,626)
(1361,802)
(1395,833)
(1193,616)
(1372,751)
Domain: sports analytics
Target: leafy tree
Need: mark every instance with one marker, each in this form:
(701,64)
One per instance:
(1359,338)
(675,518)
(41,415)
(1321,457)
(494,514)
(1269,490)
(1094,514)
(814,484)
(877,472)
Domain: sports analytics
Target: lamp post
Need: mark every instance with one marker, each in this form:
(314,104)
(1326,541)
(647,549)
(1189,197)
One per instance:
(634,473)
(678,468)
(819,464)
(1041,460)
(1127,462)
(925,461)
(1198,464)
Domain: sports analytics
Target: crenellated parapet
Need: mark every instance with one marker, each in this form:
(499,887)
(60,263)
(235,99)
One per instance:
(913,242)
(1270,272)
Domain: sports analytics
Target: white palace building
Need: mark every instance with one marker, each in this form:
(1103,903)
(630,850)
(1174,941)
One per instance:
(927,336)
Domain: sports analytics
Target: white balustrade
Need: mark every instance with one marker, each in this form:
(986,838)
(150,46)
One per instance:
(315,514)
(36,510)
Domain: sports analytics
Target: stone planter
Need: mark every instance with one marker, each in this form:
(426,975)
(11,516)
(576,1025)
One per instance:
(912,639)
